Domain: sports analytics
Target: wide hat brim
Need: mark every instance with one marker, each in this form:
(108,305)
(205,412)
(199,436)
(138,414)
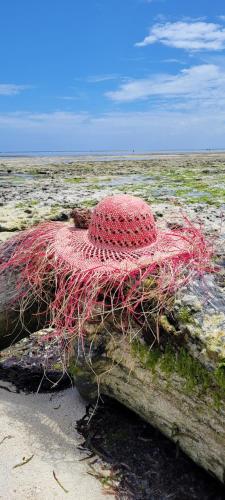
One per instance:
(73,246)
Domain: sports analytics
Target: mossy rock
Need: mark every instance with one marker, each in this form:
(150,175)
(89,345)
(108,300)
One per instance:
(166,387)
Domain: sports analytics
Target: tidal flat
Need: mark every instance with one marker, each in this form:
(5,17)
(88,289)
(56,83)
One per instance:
(39,188)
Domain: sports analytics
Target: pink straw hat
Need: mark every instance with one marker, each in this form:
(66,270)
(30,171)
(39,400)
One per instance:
(121,230)
(123,235)
(106,264)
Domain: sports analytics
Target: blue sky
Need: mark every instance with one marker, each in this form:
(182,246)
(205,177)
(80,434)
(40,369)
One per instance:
(112,74)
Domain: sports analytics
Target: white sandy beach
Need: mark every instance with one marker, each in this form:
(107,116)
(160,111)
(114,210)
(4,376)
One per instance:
(43,425)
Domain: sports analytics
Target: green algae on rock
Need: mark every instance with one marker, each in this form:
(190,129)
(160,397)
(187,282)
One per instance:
(200,312)
(196,378)
(178,385)
(169,389)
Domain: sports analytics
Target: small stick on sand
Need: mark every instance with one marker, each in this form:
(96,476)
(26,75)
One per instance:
(24,462)
(61,486)
(4,439)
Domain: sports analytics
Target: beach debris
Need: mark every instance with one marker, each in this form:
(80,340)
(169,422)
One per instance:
(59,483)
(7,389)
(139,464)
(5,438)
(24,462)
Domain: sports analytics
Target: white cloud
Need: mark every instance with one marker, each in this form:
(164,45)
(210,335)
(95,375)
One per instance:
(173,60)
(11,88)
(101,78)
(205,82)
(68,98)
(150,130)
(97,78)
(24,120)
(76,97)
(191,36)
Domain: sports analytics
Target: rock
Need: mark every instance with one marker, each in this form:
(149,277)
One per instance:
(4,229)
(81,217)
(60,217)
(174,225)
(35,364)
(177,386)
(155,386)
(5,235)
(200,312)
(9,313)
(15,320)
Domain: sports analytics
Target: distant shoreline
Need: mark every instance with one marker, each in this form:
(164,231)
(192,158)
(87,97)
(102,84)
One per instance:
(103,154)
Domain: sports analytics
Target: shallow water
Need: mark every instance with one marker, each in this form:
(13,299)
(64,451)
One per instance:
(15,177)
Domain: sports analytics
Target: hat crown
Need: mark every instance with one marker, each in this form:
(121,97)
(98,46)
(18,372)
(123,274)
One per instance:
(122,222)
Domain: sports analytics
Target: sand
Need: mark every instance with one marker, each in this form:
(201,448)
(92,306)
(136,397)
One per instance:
(43,425)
